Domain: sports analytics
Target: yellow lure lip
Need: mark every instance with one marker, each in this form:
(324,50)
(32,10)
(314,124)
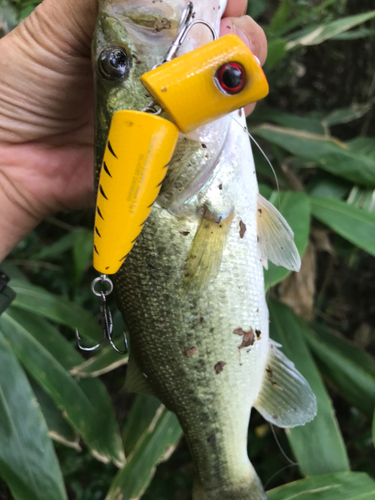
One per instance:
(139,148)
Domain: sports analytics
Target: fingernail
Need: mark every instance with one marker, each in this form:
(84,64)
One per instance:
(243,36)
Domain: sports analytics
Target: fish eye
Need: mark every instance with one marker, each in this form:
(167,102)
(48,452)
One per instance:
(114,63)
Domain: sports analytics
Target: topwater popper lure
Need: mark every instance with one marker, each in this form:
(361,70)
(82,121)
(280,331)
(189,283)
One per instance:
(193,90)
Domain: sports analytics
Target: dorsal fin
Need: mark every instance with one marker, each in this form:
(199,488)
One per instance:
(286,398)
(206,251)
(275,237)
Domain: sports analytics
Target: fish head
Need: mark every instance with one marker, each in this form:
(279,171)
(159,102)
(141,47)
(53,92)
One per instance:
(131,38)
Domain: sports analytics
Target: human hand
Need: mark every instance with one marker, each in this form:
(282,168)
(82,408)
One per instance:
(46,111)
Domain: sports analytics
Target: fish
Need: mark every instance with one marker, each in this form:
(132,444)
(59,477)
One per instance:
(191,290)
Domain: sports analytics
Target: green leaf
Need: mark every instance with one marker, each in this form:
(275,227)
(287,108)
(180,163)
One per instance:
(82,253)
(281,15)
(47,356)
(355,34)
(352,223)
(308,124)
(315,35)
(28,463)
(296,210)
(156,446)
(276,51)
(65,243)
(106,361)
(346,115)
(327,185)
(326,152)
(318,445)
(363,145)
(347,366)
(373,429)
(341,486)
(308,14)
(58,427)
(256,8)
(141,415)
(39,301)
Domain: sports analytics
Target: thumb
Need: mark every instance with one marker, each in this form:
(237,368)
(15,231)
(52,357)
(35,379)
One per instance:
(66,25)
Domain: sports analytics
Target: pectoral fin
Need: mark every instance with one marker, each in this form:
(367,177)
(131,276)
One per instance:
(135,380)
(286,398)
(275,237)
(206,251)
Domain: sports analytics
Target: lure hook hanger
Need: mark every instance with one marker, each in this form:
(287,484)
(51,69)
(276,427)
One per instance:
(184,27)
(106,317)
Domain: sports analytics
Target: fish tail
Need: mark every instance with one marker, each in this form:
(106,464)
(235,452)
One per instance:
(250,489)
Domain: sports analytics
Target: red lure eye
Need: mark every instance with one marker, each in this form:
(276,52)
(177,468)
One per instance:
(231,77)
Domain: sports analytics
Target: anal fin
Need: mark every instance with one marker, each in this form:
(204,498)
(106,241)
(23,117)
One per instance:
(275,237)
(135,380)
(286,398)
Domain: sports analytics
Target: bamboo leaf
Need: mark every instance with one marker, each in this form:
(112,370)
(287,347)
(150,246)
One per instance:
(63,244)
(346,115)
(287,120)
(340,486)
(318,445)
(348,367)
(28,463)
(39,301)
(315,35)
(325,151)
(58,427)
(47,356)
(106,361)
(296,210)
(352,223)
(276,51)
(156,446)
(141,415)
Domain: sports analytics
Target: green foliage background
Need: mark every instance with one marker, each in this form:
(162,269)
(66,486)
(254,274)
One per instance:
(317,128)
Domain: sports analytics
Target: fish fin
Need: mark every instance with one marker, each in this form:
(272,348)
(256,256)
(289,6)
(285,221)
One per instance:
(206,252)
(275,237)
(135,380)
(286,398)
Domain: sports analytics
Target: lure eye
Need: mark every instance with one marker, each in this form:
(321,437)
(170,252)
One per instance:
(114,63)
(231,78)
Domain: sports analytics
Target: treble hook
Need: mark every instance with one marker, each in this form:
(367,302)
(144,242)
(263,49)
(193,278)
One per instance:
(106,319)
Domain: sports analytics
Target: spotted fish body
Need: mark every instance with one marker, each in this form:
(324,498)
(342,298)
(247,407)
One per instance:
(191,291)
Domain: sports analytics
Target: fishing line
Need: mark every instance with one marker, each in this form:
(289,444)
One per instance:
(276,180)
(277,473)
(291,462)
(264,155)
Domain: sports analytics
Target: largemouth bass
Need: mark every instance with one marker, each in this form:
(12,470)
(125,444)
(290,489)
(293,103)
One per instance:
(191,291)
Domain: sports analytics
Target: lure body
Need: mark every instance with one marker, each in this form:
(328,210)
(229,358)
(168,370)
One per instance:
(191,290)
(129,183)
(192,89)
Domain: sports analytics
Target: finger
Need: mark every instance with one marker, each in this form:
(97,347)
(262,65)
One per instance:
(249,32)
(235,8)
